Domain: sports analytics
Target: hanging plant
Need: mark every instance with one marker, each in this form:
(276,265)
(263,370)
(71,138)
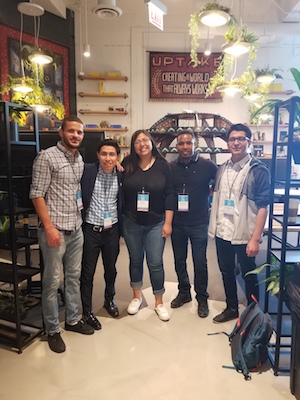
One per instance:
(269,105)
(37,96)
(268,71)
(194,27)
(235,34)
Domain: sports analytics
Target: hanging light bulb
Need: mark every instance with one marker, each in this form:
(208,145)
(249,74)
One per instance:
(22,88)
(86,50)
(236,49)
(40,58)
(207,49)
(214,18)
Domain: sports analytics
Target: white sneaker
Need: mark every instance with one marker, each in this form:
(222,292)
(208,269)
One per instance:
(134,306)
(162,312)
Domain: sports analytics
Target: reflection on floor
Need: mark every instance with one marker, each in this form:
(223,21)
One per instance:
(139,357)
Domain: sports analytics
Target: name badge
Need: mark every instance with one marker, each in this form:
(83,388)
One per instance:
(228,207)
(143,202)
(79,201)
(183,202)
(107,222)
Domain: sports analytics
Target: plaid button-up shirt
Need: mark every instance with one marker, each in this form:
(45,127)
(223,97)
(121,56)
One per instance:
(56,176)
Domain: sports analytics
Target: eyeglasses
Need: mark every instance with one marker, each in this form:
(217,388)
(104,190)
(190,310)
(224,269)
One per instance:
(240,139)
(142,141)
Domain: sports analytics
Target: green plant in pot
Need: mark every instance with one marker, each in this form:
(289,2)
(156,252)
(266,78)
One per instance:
(267,74)
(194,26)
(273,280)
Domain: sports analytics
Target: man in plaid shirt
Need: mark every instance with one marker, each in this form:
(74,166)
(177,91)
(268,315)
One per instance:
(56,195)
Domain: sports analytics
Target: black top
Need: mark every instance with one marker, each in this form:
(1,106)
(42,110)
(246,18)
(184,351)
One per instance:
(195,178)
(158,182)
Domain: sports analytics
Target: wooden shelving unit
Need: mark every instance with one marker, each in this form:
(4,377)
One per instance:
(103,78)
(101,112)
(121,95)
(106,129)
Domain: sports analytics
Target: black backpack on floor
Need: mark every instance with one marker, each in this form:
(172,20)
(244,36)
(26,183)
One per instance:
(250,338)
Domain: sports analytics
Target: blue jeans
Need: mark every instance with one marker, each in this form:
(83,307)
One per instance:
(68,255)
(140,240)
(198,239)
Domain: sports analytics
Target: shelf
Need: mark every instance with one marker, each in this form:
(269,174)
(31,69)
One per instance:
(84,94)
(262,142)
(103,78)
(266,125)
(106,129)
(24,273)
(284,92)
(21,242)
(103,112)
(291,256)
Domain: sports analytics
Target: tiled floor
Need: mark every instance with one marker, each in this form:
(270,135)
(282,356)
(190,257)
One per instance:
(139,357)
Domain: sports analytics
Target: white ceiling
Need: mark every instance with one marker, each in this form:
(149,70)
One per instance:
(273,20)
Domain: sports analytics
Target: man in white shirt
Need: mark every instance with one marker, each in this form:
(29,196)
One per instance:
(238,215)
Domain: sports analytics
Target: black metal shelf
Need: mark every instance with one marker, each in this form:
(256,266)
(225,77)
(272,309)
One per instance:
(16,334)
(285,253)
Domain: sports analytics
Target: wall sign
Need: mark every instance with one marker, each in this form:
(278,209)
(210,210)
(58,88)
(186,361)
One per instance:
(173,77)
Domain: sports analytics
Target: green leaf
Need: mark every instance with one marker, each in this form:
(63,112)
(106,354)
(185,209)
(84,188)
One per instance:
(296,74)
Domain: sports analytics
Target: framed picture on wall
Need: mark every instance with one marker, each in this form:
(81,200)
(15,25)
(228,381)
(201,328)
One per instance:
(55,79)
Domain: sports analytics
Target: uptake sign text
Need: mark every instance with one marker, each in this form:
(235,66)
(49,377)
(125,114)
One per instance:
(173,77)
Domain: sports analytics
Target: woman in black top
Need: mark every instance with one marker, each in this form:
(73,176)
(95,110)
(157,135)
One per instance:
(148,213)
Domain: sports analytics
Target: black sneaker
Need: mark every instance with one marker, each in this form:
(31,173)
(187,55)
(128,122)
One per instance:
(91,320)
(80,327)
(56,343)
(203,310)
(227,315)
(180,300)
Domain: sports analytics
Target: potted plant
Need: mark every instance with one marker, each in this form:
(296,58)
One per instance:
(267,74)
(194,26)
(238,35)
(273,280)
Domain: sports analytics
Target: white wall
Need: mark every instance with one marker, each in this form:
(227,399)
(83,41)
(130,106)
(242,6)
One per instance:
(123,44)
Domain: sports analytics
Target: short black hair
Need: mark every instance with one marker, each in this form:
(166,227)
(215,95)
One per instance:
(239,128)
(186,132)
(70,118)
(108,142)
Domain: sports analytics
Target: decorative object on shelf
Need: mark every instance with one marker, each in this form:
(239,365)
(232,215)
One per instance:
(104,124)
(212,14)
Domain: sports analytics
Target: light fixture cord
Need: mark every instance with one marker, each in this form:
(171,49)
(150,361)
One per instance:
(80,35)
(86,27)
(21,46)
(37,23)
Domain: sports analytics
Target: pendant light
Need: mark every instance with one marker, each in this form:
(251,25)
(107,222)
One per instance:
(207,47)
(35,11)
